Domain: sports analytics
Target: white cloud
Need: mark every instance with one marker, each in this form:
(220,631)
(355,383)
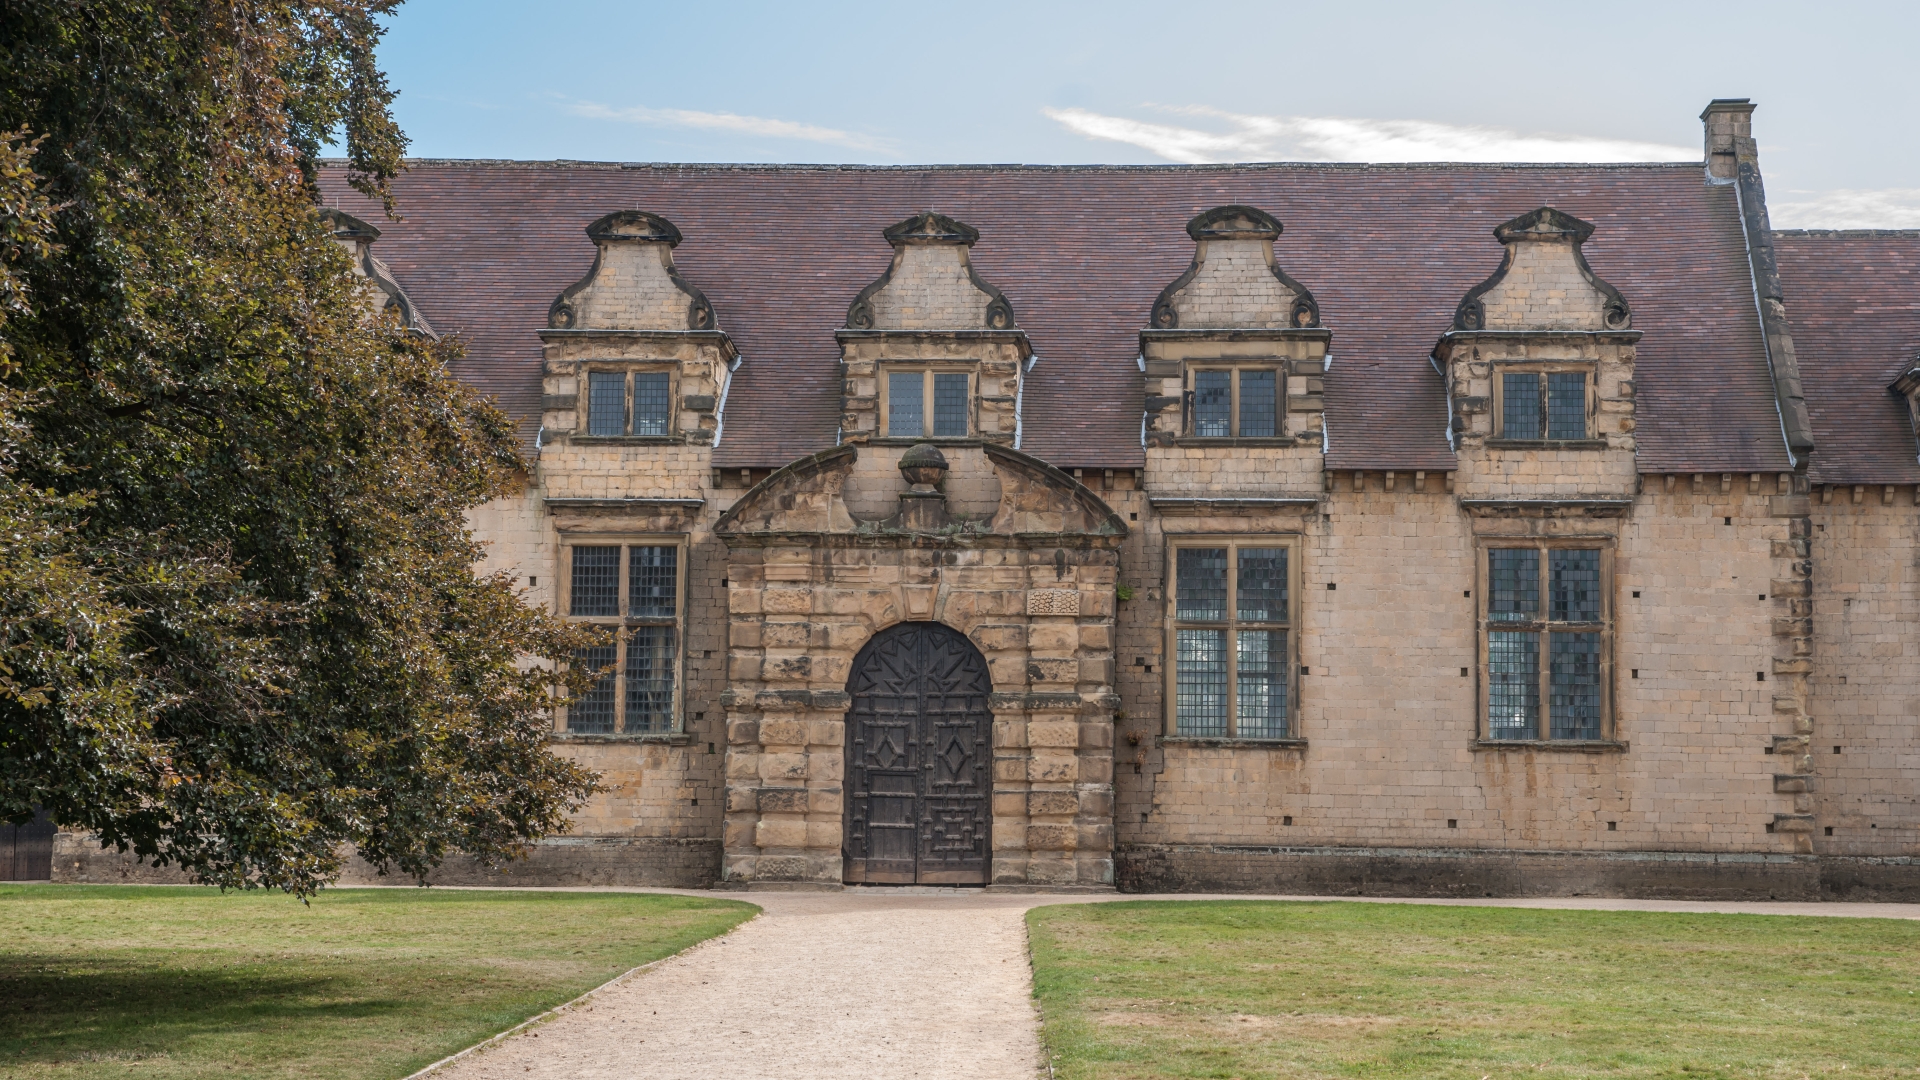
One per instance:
(745,125)
(1328,138)
(1847,208)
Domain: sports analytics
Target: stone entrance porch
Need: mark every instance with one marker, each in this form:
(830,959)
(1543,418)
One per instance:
(1012,553)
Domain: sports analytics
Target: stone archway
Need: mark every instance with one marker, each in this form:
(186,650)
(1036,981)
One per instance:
(919,763)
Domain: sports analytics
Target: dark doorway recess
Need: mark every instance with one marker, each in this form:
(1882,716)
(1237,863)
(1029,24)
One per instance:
(26,851)
(919,759)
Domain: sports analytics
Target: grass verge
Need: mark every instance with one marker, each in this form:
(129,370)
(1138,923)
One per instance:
(1133,991)
(365,983)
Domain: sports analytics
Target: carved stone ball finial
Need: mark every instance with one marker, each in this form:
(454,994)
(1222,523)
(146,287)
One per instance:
(924,466)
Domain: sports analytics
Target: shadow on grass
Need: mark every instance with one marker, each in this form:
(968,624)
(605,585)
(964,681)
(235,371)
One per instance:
(64,1009)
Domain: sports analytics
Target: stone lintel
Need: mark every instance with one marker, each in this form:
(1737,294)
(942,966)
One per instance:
(1182,505)
(1000,337)
(1571,746)
(671,738)
(1316,333)
(1595,508)
(658,337)
(1296,745)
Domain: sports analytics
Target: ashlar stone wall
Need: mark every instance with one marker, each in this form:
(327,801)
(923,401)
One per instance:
(1865,687)
(1389,751)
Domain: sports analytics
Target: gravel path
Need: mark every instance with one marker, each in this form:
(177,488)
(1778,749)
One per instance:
(868,983)
(821,986)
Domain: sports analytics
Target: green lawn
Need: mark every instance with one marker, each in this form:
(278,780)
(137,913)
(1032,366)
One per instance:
(366,983)
(1260,989)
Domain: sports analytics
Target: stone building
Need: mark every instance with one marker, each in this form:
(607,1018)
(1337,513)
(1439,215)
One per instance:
(1438,529)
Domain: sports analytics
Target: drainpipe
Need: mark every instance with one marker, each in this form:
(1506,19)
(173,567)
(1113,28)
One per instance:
(1142,361)
(720,411)
(1019,395)
(1435,361)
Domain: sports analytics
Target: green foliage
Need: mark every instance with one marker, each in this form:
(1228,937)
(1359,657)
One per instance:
(188,983)
(242,625)
(1152,990)
(1123,593)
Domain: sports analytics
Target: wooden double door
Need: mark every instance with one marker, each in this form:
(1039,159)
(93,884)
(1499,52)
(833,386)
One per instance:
(919,759)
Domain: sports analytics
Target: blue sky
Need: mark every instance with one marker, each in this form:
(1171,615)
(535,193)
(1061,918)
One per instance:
(1179,80)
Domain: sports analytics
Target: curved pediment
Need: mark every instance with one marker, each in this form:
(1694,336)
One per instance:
(812,497)
(1544,282)
(1233,282)
(633,284)
(931,284)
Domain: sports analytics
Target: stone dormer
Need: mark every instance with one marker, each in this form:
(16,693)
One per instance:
(634,353)
(1544,282)
(384,294)
(1233,281)
(1539,366)
(633,284)
(1233,362)
(1907,386)
(931,351)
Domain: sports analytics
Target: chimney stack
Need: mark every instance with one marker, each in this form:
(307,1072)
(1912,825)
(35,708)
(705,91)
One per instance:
(1729,124)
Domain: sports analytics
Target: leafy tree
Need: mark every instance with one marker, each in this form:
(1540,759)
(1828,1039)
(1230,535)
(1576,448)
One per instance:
(241,621)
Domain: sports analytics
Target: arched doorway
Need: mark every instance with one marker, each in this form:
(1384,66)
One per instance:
(919,759)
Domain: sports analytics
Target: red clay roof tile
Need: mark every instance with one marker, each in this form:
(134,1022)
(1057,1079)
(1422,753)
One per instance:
(1081,252)
(1854,301)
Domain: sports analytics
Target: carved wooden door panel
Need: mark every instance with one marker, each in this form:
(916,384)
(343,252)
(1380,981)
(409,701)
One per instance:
(919,759)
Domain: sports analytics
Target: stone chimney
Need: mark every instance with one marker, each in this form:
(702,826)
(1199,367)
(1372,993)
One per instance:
(1729,123)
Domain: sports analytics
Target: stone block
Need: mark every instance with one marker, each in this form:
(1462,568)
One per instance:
(786,800)
(1051,837)
(1052,804)
(780,832)
(1053,733)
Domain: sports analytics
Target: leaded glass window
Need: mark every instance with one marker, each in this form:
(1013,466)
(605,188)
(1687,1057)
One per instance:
(1229,634)
(596,581)
(1543,405)
(949,405)
(1566,405)
(652,405)
(929,404)
(635,591)
(593,712)
(1520,406)
(652,580)
(629,403)
(1547,633)
(649,675)
(906,404)
(606,403)
(1213,404)
(1257,404)
(1236,403)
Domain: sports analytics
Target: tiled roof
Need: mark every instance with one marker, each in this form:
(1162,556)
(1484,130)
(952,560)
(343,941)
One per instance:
(1854,300)
(1081,252)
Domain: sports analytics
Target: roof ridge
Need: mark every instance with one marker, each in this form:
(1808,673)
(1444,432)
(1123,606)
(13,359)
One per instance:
(1255,166)
(1852,234)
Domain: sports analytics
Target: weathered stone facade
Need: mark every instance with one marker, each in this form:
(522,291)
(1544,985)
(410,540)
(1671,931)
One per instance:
(1546,660)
